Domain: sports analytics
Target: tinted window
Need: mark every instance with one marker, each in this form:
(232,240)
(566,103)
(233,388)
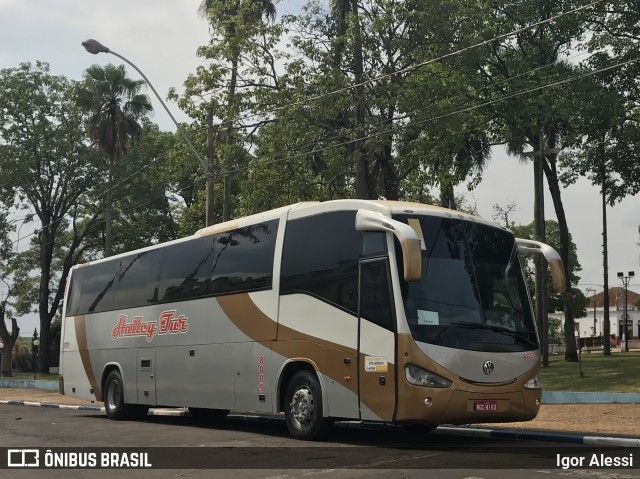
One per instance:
(93,288)
(186,270)
(321,256)
(472,293)
(375,298)
(239,260)
(138,279)
(243,258)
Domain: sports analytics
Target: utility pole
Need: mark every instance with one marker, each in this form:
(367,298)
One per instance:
(606,324)
(541,263)
(210,170)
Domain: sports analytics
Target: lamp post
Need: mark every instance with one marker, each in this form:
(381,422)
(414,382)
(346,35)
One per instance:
(593,298)
(1,349)
(34,356)
(625,281)
(95,47)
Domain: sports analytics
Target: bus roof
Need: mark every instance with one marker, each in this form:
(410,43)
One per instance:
(308,208)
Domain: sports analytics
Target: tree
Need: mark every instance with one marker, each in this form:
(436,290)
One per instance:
(533,61)
(576,308)
(115,105)
(605,147)
(321,146)
(146,211)
(7,337)
(241,65)
(46,163)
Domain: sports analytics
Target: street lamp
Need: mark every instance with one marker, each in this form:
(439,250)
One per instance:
(1,348)
(95,47)
(593,299)
(34,356)
(625,281)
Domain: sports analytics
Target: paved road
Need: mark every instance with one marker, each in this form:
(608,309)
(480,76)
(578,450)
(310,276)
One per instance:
(249,449)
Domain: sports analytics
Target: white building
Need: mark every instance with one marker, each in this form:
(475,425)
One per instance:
(593,324)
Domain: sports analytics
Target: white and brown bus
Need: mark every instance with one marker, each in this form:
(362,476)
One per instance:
(342,310)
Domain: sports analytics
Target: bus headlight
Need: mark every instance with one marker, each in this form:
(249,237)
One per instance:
(533,383)
(421,377)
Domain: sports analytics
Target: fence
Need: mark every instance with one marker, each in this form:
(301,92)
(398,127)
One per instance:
(23,361)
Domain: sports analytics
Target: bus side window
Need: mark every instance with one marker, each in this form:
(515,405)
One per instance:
(320,258)
(375,298)
(138,279)
(96,284)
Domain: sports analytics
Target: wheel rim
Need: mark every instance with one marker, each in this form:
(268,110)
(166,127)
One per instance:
(113,395)
(302,407)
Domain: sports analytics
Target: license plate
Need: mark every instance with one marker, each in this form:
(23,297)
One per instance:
(485,406)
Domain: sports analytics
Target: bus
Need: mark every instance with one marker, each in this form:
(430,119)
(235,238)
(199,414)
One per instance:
(360,310)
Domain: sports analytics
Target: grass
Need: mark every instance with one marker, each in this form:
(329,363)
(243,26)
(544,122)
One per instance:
(618,373)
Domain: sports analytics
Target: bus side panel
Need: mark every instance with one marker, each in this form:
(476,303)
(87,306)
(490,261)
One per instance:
(257,369)
(328,337)
(125,360)
(199,375)
(75,376)
(336,363)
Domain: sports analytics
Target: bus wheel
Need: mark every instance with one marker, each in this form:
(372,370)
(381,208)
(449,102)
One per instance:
(213,415)
(303,408)
(114,403)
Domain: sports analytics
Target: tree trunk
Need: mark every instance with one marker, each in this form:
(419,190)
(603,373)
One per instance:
(108,248)
(447,194)
(8,341)
(46,257)
(571,352)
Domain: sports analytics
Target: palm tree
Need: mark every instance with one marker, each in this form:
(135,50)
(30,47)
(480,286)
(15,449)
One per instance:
(115,105)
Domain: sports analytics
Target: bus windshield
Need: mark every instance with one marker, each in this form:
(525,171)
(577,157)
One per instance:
(472,294)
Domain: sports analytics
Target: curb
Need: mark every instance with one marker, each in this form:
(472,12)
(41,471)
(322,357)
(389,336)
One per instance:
(444,430)
(540,436)
(566,397)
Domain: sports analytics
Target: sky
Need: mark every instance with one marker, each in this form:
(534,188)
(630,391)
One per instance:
(161,37)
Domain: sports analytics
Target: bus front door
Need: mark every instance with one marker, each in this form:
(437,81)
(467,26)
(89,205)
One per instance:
(377,344)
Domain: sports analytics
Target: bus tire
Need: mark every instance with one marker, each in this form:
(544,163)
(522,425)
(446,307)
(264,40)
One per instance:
(114,404)
(303,408)
(212,415)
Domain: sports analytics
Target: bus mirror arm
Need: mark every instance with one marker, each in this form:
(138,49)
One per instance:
(367,220)
(558,274)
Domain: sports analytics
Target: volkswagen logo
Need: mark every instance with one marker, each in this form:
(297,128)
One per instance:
(487,367)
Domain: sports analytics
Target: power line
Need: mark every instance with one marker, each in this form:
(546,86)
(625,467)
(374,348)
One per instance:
(131,208)
(163,156)
(439,117)
(417,66)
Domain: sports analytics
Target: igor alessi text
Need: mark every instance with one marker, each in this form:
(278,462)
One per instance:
(593,460)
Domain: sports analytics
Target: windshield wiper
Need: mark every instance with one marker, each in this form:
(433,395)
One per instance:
(495,329)
(462,324)
(514,334)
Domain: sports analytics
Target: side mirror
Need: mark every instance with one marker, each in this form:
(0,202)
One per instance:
(411,253)
(558,275)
